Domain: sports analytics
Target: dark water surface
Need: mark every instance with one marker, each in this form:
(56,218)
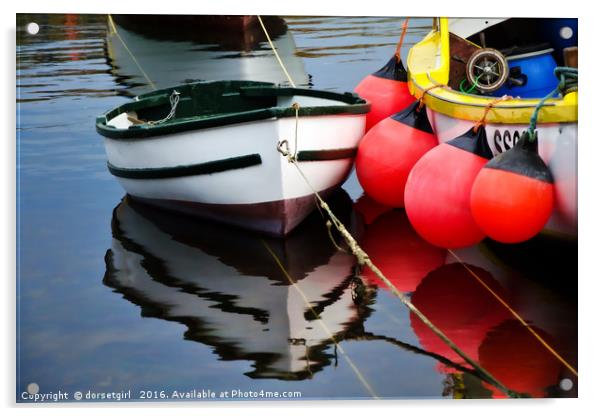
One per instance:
(117,297)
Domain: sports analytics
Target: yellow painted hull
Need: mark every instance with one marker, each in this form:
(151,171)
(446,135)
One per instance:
(428,66)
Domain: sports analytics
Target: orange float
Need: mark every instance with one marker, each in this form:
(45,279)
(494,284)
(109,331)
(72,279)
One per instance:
(386,90)
(437,193)
(513,195)
(389,151)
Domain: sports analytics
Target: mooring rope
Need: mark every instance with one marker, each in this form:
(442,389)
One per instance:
(288,76)
(488,108)
(116,33)
(567,82)
(354,368)
(517,316)
(421,102)
(404,29)
(363,259)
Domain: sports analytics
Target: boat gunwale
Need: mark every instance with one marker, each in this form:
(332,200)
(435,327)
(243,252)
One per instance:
(352,104)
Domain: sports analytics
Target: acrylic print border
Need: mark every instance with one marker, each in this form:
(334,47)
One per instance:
(587,267)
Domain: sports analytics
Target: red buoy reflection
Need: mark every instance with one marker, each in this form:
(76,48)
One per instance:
(518,360)
(454,301)
(399,252)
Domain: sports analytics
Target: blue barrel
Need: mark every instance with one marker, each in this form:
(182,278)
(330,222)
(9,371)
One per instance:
(537,69)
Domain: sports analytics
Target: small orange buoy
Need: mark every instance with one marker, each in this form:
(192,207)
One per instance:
(395,248)
(437,193)
(513,195)
(386,90)
(389,151)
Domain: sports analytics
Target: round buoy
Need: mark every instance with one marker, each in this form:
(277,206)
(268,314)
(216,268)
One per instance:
(388,152)
(437,193)
(386,90)
(518,360)
(456,303)
(395,248)
(513,195)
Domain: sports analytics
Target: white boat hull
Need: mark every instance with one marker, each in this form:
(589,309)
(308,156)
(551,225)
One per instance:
(270,196)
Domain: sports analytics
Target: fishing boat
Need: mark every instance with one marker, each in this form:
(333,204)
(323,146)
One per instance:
(211,149)
(463,66)
(278,303)
(146,51)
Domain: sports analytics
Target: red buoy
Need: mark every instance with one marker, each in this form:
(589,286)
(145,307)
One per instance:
(395,248)
(386,90)
(513,195)
(518,360)
(437,194)
(388,152)
(456,303)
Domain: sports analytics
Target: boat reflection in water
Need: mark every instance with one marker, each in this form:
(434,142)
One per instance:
(284,304)
(234,290)
(203,48)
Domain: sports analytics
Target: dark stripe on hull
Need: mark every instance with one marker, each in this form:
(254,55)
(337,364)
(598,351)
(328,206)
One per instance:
(276,218)
(328,154)
(223,165)
(188,170)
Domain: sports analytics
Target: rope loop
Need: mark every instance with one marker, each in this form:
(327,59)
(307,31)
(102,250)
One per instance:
(284,150)
(174,99)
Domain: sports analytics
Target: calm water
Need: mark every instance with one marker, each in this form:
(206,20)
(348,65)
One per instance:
(118,297)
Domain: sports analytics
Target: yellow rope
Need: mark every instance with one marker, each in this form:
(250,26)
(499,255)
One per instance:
(517,316)
(290,80)
(355,369)
(116,33)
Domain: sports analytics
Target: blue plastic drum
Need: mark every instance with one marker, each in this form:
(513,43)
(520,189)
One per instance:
(537,69)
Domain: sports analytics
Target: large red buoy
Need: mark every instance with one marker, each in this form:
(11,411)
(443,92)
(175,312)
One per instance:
(455,302)
(513,195)
(386,90)
(437,193)
(395,248)
(388,152)
(518,360)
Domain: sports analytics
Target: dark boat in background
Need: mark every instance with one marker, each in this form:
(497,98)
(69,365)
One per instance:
(203,48)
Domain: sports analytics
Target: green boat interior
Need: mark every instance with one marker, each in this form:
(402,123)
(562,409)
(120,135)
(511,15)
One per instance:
(212,104)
